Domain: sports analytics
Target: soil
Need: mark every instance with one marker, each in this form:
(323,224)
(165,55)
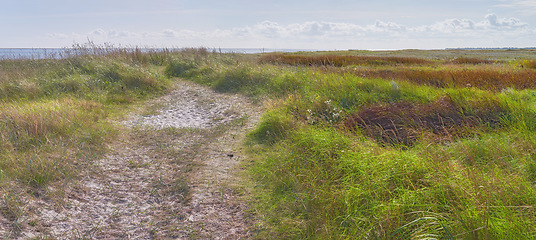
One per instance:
(171,174)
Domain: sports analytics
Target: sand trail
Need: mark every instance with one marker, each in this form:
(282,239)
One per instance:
(170,175)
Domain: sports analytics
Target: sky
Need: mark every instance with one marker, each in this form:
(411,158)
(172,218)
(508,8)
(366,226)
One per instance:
(279,24)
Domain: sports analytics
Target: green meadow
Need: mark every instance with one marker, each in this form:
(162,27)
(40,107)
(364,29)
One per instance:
(408,144)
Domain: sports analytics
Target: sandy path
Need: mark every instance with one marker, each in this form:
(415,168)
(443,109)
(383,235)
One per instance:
(170,175)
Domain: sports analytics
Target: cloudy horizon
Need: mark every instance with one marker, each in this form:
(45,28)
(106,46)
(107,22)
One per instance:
(277,25)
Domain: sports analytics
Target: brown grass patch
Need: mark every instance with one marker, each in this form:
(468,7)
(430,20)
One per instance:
(403,123)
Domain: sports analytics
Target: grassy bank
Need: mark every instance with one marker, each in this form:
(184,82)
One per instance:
(375,145)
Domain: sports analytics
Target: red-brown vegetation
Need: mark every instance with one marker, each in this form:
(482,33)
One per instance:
(403,123)
(338,60)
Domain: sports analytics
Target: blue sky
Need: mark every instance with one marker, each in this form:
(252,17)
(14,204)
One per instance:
(310,24)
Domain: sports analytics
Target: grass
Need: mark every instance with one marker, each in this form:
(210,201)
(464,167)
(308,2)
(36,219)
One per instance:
(389,145)
(54,116)
(353,145)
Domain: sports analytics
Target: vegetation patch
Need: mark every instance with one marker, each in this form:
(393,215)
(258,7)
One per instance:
(337,60)
(358,145)
(54,117)
(404,123)
(490,79)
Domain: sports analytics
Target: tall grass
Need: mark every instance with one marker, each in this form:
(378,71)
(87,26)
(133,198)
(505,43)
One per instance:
(432,149)
(54,115)
(351,147)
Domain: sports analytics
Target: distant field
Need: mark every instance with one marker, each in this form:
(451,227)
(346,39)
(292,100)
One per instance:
(408,144)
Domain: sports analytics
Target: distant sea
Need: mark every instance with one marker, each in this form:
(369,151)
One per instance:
(41,53)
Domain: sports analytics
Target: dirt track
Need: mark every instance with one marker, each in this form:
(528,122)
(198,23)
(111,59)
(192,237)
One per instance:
(170,175)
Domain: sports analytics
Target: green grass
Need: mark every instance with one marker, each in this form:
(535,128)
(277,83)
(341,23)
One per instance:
(54,116)
(353,145)
(374,147)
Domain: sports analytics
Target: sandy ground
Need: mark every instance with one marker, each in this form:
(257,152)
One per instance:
(170,175)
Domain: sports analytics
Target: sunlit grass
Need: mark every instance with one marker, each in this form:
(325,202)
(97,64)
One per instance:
(389,148)
(382,146)
(54,116)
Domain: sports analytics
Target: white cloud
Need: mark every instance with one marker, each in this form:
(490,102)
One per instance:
(170,33)
(511,23)
(380,26)
(318,34)
(449,26)
(491,22)
(268,29)
(522,6)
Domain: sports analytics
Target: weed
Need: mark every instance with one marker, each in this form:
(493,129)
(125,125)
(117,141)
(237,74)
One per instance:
(529,64)
(11,205)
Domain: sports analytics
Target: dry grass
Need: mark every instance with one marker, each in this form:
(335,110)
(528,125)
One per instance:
(35,137)
(338,60)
